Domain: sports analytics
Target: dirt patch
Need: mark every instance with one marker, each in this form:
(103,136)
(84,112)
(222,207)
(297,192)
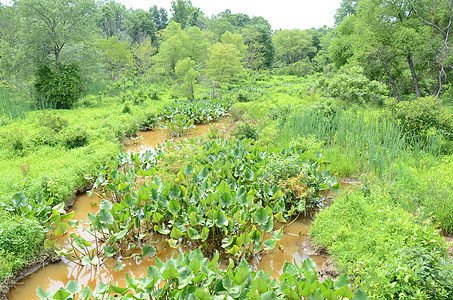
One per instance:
(327,269)
(41,260)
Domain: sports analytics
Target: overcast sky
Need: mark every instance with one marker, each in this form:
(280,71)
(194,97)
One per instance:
(281,14)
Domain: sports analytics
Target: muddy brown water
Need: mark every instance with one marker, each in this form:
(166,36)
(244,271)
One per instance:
(56,275)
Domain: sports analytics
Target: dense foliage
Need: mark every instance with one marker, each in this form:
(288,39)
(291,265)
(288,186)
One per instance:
(192,276)
(373,95)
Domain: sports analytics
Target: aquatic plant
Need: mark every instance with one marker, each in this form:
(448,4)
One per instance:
(192,276)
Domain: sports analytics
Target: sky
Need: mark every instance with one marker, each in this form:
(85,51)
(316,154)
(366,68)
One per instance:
(281,14)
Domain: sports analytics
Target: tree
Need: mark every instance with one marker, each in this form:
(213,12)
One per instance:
(186,77)
(178,44)
(110,18)
(224,64)
(235,39)
(185,13)
(143,56)
(292,45)
(347,8)
(389,40)
(159,17)
(258,40)
(53,24)
(140,25)
(10,40)
(116,56)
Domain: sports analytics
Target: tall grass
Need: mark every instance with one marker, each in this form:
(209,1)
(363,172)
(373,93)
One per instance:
(13,105)
(357,141)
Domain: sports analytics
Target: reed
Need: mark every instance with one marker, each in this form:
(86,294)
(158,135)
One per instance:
(356,141)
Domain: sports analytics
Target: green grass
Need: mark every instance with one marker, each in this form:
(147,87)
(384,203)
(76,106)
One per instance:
(13,105)
(49,154)
(356,141)
(391,254)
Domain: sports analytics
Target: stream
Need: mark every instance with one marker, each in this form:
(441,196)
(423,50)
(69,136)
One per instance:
(55,275)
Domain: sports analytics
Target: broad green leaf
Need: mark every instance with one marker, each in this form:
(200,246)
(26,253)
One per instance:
(174,192)
(344,291)
(170,273)
(105,216)
(203,293)
(157,217)
(195,265)
(255,236)
(220,218)
(148,250)
(278,234)
(61,228)
(117,290)
(61,294)
(260,285)
(176,233)
(204,173)
(235,249)
(269,295)
(279,217)
(261,217)
(240,275)
(73,287)
(173,206)
(106,204)
(122,186)
(109,251)
(226,200)
(86,260)
(43,294)
(172,243)
(85,294)
(152,272)
(341,281)
(270,244)
(118,266)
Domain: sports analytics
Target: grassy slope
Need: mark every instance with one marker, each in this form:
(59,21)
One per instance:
(35,159)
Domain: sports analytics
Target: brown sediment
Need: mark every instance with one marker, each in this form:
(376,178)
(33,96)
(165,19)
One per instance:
(41,260)
(149,139)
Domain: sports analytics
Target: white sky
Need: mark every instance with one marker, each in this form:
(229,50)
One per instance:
(281,14)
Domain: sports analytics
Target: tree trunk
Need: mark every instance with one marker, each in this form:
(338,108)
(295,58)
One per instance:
(414,75)
(57,58)
(392,82)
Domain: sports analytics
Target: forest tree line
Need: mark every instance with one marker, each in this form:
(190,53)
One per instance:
(57,45)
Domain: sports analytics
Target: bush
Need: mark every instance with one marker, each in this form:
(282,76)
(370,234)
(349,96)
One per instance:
(60,89)
(20,237)
(389,253)
(53,121)
(423,117)
(75,137)
(350,85)
(245,131)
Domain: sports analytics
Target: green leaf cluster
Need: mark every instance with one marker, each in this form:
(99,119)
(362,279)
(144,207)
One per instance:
(192,276)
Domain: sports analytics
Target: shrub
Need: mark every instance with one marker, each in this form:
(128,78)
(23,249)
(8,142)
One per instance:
(388,252)
(245,131)
(20,237)
(350,85)
(60,89)
(423,117)
(53,121)
(75,137)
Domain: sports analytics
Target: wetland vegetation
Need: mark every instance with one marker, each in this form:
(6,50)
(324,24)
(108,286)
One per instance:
(368,101)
